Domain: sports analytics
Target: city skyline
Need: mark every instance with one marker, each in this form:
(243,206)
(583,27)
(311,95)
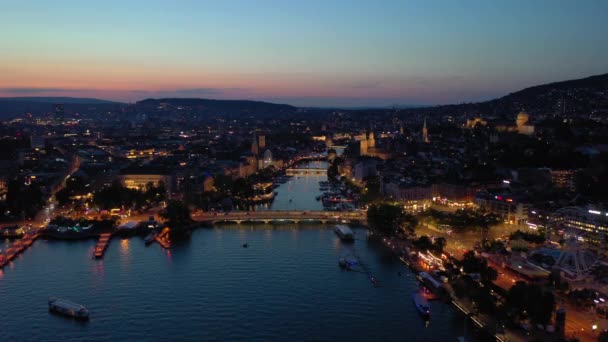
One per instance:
(314,54)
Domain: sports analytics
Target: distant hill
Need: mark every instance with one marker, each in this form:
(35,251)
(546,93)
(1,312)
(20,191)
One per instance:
(581,96)
(234,107)
(52,99)
(11,107)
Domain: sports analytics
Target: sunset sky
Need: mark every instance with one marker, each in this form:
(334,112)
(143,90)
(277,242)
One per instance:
(312,53)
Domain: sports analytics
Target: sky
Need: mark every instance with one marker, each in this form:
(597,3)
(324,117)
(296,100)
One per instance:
(306,53)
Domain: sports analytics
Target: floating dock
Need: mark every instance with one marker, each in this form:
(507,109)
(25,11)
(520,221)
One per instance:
(163,238)
(102,245)
(17,247)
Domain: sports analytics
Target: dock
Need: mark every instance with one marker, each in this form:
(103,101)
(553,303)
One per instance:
(17,247)
(163,238)
(102,245)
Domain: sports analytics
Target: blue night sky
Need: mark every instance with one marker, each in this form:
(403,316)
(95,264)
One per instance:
(312,53)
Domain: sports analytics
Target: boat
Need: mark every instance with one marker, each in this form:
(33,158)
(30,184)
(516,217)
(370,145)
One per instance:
(345,233)
(150,238)
(347,263)
(422,305)
(68,308)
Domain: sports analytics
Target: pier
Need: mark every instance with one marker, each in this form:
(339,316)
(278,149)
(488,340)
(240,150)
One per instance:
(102,245)
(17,247)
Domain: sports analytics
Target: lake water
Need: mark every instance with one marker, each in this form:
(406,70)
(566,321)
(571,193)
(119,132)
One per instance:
(286,286)
(300,192)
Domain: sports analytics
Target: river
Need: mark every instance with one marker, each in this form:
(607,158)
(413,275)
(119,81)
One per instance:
(286,286)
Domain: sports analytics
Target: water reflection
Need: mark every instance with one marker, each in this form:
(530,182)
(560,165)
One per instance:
(124,246)
(98,270)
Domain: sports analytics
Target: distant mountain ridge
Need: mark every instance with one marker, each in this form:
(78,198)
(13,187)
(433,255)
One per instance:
(587,95)
(57,99)
(197,102)
(228,107)
(11,107)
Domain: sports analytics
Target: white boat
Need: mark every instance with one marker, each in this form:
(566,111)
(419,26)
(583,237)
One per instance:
(68,308)
(344,232)
(422,305)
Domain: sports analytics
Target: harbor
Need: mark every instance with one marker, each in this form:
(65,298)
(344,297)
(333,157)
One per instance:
(17,247)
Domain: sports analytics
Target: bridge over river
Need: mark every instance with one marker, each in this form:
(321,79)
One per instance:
(272,216)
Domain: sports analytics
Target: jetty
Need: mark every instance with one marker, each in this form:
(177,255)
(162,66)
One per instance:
(16,248)
(163,238)
(102,245)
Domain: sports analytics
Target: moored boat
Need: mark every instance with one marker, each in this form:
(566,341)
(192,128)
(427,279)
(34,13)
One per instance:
(345,233)
(422,305)
(150,238)
(68,308)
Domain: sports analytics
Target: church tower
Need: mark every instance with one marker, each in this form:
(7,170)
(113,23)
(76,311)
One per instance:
(425,133)
(371,141)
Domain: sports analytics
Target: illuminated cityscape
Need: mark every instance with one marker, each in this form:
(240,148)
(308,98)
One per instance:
(326,171)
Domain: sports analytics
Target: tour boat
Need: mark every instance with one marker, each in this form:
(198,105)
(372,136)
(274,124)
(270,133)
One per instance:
(345,233)
(68,308)
(422,305)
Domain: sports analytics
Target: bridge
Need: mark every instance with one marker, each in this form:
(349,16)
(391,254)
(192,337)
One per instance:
(305,171)
(307,216)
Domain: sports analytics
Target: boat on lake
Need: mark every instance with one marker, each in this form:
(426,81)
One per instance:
(150,238)
(347,263)
(345,233)
(422,305)
(68,308)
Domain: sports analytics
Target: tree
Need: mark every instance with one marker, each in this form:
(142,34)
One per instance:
(177,216)
(603,337)
(386,218)
(439,244)
(423,243)
(332,170)
(472,264)
(525,298)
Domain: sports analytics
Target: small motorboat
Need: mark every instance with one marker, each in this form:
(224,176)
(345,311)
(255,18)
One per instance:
(245,245)
(422,305)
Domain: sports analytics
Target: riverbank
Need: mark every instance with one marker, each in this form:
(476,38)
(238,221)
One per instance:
(485,325)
